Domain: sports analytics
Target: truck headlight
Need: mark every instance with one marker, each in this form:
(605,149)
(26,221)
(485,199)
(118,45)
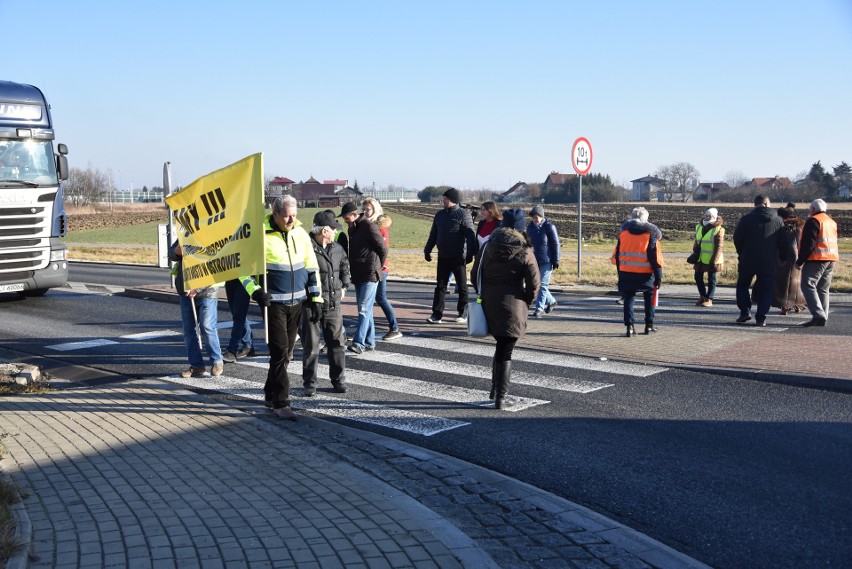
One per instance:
(57,255)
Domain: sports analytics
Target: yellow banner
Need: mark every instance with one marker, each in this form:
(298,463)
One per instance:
(219,219)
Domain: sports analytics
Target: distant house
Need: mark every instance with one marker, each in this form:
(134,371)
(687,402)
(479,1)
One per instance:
(766,185)
(312,193)
(557,181)
(648,189)
(844,192)
(708,191)
(520,192)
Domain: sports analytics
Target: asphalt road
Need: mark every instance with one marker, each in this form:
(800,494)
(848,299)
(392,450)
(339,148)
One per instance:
(735,473)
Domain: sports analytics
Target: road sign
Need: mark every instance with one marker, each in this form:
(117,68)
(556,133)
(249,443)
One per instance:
(581,156)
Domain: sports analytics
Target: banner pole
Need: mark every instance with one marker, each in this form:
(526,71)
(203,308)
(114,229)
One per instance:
(197,326)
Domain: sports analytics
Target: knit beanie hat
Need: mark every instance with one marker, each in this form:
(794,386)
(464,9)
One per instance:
(515,219)
(537,210)
(453,195)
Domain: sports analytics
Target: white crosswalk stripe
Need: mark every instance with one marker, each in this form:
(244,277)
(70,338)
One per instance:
(428,389)
(69,346)
(519,377)
(399,419)
(549,358)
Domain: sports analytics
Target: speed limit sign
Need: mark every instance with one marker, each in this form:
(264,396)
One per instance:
(581,156)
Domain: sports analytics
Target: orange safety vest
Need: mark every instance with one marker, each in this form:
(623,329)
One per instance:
(825,246)
(633,253)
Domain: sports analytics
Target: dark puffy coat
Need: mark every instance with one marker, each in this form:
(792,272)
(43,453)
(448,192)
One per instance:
(510,282)
(334,272)
(545,242)
(787,291)
(452,231)
(760,242)
(367,251)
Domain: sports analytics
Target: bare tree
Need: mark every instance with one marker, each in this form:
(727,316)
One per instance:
(735,179)
(85,187)
(681,180)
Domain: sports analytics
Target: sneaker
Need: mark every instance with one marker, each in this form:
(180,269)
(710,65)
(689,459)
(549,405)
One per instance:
(355,349)
(229,357)
(194,372)
(707,302)
(743,318)
(284,413)
(392,335)
(814,322)
(549,308)
(760,323)
(216,369)
(309,390)
(246,353)
(700,302)
(537,314)
(461,318)
(434,319)
(620,301)
(339,386)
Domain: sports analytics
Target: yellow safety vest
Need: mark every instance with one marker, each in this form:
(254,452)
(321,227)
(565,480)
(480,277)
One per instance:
(707,243)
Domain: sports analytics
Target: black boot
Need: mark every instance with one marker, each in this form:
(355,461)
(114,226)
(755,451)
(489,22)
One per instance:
(650,328)
(503,372)
(631,331)
(493,378)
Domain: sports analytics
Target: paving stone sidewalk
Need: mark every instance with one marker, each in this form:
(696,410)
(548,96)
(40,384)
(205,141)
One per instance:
(144,474)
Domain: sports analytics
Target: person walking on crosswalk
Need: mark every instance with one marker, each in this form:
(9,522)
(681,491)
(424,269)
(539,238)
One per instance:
(509,283)
(452,231)
(334,276)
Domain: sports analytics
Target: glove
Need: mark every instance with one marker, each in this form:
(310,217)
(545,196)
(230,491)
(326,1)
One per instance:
(262,298)
(428,257)
(657,283)
(556,266)
(315,308)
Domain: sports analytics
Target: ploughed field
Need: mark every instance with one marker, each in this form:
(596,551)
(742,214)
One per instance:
(602,220)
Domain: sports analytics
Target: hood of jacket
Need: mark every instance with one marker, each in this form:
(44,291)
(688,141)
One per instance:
(637,227)
(794,223)
(506,243)
(384,220)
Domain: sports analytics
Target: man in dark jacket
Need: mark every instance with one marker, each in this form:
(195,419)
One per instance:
(759,241)
(367,254)
(334,276)
(452,231)
(545,242)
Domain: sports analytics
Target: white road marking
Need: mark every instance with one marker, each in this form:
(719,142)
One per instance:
(417,423)
(81,345)
(428,389)
(523,378)
(549,358)
(151,335)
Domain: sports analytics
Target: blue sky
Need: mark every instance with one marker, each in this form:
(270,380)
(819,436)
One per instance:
(472,94)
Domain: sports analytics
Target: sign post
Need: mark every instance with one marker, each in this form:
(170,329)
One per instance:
(581,160)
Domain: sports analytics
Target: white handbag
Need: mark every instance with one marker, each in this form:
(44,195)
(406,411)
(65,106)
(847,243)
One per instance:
(477,326)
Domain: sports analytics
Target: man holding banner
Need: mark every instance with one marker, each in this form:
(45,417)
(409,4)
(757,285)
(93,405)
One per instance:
(219,219)
(292,281)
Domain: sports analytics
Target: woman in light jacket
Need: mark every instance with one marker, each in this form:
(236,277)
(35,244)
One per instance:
(707,249)
(374,212)
(509,284)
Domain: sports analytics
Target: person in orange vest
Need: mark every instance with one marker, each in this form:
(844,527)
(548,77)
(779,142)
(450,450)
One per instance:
(817,254)
(639,260)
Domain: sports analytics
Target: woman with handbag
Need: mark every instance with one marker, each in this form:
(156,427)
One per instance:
(507,283)
(707,255)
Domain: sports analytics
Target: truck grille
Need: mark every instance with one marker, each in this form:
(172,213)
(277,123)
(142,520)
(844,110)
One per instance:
(24,238)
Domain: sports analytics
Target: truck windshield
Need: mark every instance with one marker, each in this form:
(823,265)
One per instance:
(27,162)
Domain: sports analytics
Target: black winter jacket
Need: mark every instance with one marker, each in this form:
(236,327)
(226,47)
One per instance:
(452,231)
(760,242)
(367,251)
(334,273)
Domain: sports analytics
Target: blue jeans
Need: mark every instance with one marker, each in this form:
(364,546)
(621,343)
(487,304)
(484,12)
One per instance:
(708,291)
(383,302)
(544,297)
(365,332)
(762,294)
(238,302)
(207,309)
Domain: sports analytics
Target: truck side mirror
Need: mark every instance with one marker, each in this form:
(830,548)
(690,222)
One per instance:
(63,150)
(62,165)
